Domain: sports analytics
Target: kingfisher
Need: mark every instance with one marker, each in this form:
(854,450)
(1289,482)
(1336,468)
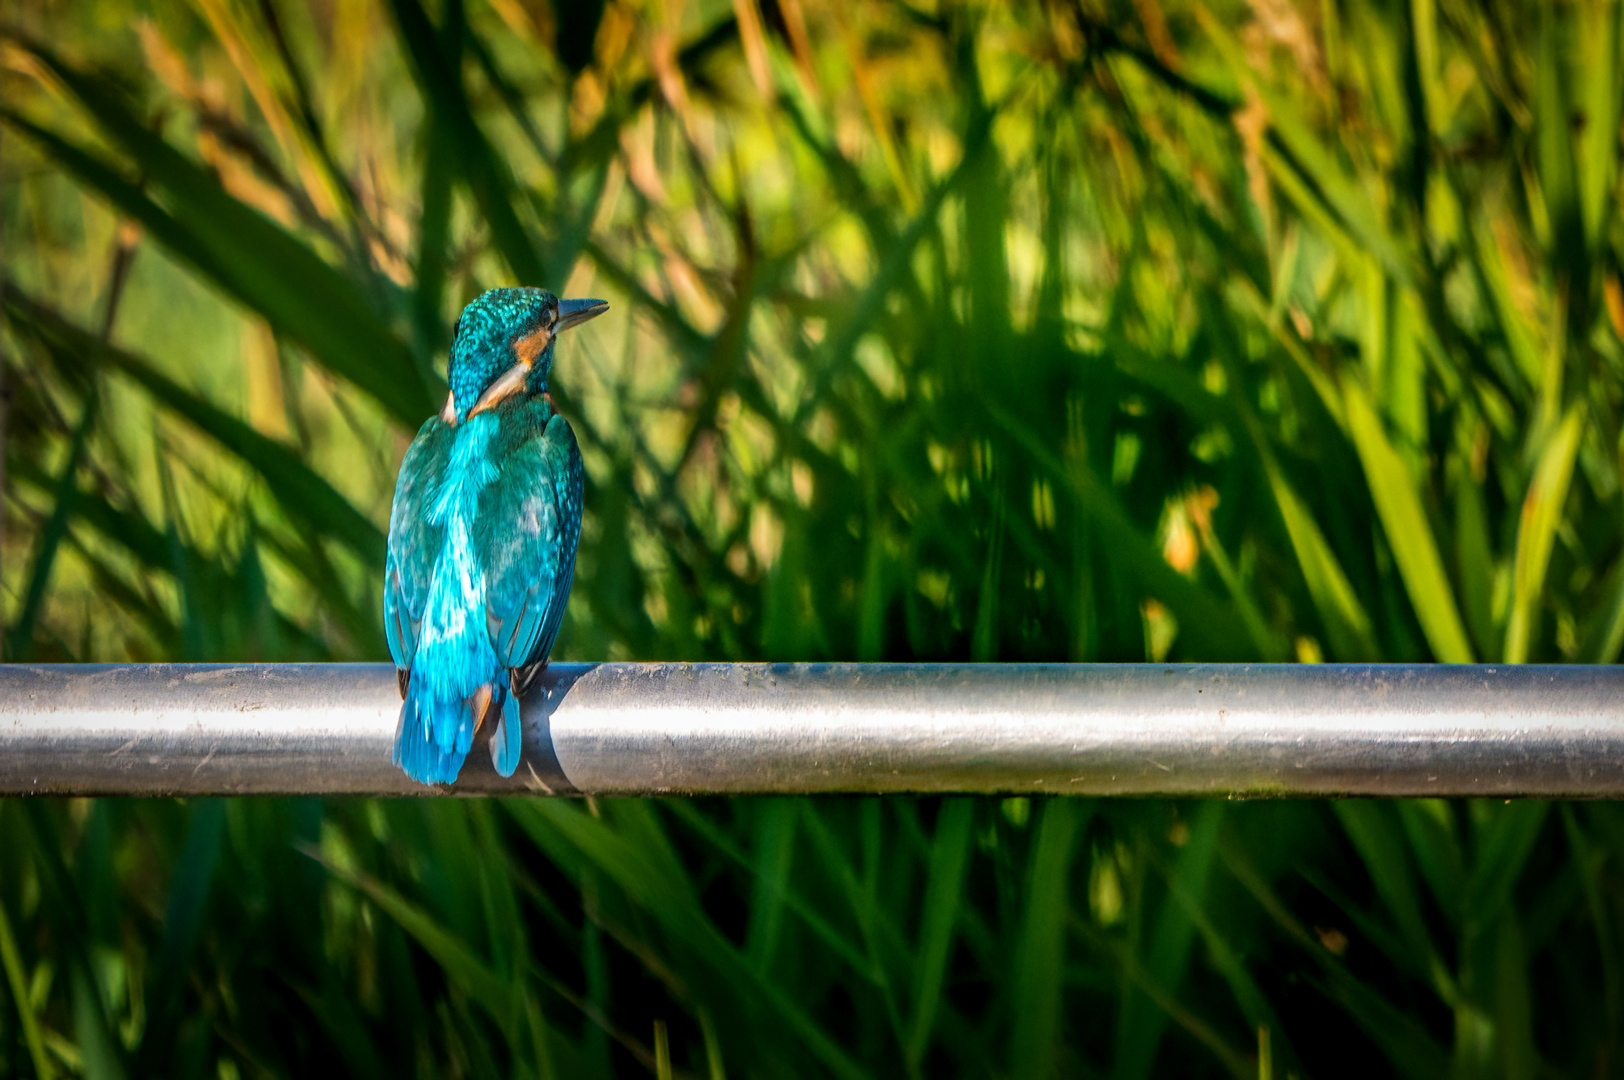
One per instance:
(482,536)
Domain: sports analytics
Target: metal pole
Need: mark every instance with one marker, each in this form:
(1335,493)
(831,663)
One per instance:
(1087,729)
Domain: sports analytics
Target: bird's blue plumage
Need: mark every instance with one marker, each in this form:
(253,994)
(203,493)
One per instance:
(482,537)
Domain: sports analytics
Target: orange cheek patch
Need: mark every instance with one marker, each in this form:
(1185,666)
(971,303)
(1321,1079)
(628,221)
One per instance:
(531,345)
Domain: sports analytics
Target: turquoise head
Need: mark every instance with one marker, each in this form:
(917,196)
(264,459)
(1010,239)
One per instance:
(503,345)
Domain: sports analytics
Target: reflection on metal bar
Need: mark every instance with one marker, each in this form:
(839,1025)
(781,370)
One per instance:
(1095,729)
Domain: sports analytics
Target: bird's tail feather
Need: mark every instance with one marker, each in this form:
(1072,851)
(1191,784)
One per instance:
(508,737)
(433,736)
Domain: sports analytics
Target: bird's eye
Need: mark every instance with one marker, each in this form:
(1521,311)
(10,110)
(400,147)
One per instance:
(456,328)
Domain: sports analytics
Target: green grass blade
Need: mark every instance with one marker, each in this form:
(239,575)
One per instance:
(1346,624)
(98,1043)
(487,176)
(434,235)
(878,932)
(1502,282)
(1504,844)
(1372,829)
(1542,511)
(1140,1024)
(1600,88)
(451,952)
(1249,996)
(304,493)
(1040,956)
(1400,1036)
(189,886)
(1554,151)
(1514,1054)
(242,251)
(1307,168)
(21,636)
(1475,563)
(12,959)
(1216,631)
(1604,636)
(669,901)
(797,903)
(1429,825)
(1589,859)
(944,889)
(1404,1040)
(775,848)
(1409,534)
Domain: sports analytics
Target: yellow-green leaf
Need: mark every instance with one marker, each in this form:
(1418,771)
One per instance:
(1541,514)
(1409,534)
(1345,620)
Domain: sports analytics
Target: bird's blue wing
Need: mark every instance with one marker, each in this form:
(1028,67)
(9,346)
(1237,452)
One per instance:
(530,521)
(414,543)
(529,525)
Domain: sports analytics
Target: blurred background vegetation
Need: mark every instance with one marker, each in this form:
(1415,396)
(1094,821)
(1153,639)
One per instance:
(1088,330)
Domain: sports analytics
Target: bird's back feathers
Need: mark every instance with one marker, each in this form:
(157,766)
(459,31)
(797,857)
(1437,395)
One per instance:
(482,542)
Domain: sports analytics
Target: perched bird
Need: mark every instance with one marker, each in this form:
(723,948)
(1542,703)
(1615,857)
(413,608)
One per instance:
(482,536)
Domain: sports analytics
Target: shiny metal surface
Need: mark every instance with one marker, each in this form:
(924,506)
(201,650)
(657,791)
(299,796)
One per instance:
(1136,729)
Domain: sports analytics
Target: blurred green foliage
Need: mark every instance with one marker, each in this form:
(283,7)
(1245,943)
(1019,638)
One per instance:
(1086,330)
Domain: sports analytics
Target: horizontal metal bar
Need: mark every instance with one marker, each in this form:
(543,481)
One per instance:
(1098,729)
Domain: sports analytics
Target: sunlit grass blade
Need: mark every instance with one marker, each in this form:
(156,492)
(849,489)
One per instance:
(1293,150)
(835,352)
(1541,514)
(1600,94)
(1409,534)
(1502,282)
(1346,623)
(18,985)
(154,551)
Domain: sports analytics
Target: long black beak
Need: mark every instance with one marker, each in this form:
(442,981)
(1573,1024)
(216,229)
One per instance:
(574,312)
